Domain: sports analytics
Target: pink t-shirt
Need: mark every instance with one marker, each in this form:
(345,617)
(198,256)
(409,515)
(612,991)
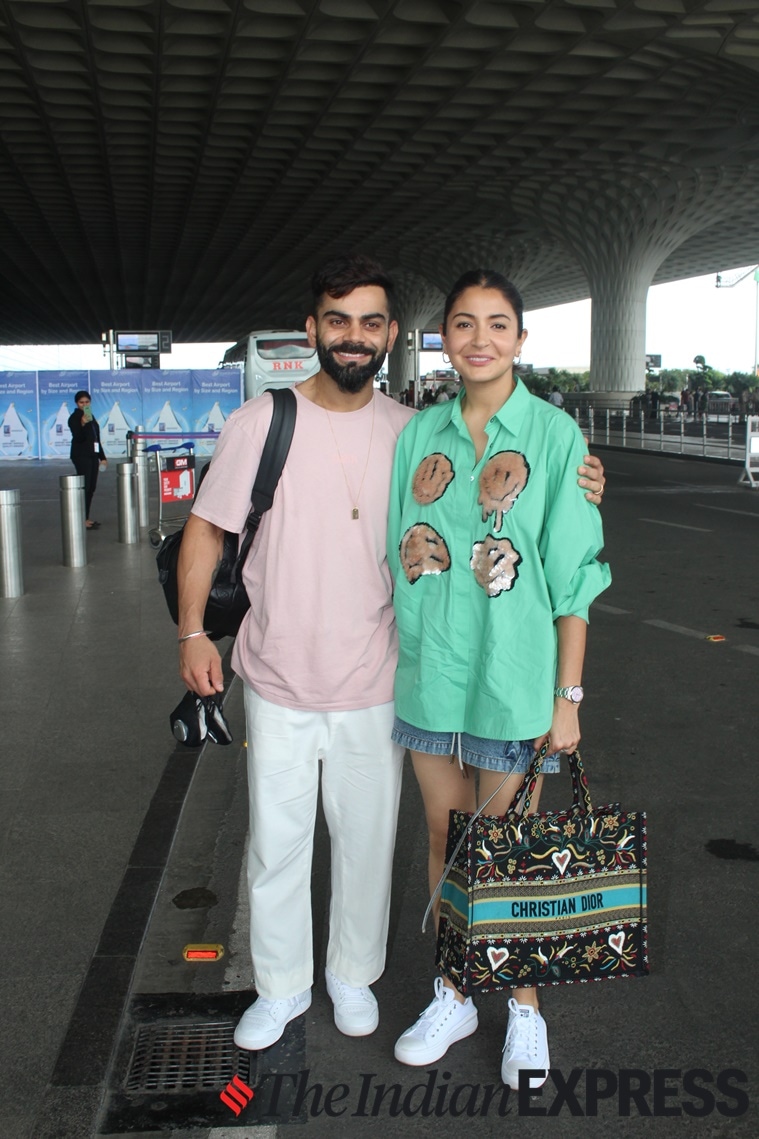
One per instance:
(320,633)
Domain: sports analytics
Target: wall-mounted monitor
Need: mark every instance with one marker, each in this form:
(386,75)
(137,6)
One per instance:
(431,342)
(147,342)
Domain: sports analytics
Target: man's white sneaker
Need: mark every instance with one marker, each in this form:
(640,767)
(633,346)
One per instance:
(356,1012)
(264,1022)
(443,1022)
(526,1046)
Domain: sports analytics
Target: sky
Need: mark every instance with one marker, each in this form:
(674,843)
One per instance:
(684,319)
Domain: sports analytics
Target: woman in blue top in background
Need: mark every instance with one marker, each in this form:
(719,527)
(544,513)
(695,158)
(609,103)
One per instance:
(493,550)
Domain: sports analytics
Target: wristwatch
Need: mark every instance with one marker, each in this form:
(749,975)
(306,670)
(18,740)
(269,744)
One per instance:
(574,693)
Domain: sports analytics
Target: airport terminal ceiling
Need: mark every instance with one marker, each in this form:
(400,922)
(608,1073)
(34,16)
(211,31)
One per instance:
(183,164)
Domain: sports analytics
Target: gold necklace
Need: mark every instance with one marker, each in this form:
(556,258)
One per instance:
(354,500)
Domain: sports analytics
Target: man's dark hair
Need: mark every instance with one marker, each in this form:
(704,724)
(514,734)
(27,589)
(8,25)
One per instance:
(82,395)
(341,275)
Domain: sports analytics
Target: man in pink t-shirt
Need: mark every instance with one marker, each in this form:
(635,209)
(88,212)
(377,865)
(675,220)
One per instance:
(317,654)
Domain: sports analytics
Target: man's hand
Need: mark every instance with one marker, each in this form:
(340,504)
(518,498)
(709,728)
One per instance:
(200,666)
(592,477)
(199,554)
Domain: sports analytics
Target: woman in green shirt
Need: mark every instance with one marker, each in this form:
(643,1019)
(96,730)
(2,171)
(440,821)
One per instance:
(493,550)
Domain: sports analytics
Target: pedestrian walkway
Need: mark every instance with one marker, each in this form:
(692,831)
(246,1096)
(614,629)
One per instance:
(119,848)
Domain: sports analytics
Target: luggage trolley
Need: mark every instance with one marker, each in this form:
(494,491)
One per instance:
(174,464)
(176,488)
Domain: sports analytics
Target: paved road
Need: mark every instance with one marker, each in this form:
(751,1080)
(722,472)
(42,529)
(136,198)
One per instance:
(668,725)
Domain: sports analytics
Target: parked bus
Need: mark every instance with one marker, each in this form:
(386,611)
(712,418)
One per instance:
(276,358)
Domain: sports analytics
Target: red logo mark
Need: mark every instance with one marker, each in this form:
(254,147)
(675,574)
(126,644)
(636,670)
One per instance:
(236,1095)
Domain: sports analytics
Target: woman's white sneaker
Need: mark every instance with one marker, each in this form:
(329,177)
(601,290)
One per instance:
(443,1022)
(526,1046)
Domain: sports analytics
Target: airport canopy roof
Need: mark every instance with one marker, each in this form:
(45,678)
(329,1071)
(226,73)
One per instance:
(183,164)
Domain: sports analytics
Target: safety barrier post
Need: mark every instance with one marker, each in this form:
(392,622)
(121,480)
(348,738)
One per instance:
(127,504)
(73,521)
(642,432)
(141,472)
(11,572)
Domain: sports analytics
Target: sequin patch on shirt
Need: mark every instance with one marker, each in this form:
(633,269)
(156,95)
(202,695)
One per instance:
(502,480)
(494,562)
(423,551)
(432,478)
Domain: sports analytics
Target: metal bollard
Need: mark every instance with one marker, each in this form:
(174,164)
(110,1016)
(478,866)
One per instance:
(73,518)
(141,473)
(127,504)
(11,572)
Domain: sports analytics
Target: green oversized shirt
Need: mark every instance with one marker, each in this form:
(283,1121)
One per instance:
(485,557)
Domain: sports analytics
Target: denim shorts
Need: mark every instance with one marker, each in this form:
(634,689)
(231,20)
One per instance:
(508,756)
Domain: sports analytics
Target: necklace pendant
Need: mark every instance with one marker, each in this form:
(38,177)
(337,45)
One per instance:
(355,513)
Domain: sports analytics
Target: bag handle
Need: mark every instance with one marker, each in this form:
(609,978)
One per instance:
(527,789)
(580,793)
(273,456)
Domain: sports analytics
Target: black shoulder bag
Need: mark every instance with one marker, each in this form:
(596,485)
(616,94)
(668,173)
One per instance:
(228,600)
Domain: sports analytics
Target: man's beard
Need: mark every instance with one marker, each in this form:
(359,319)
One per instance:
(350,378)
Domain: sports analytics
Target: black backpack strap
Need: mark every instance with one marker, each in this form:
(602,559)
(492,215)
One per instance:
(270,468)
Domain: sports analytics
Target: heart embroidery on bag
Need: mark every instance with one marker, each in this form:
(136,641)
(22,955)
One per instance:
(617,941)
(497,957)
(561,859)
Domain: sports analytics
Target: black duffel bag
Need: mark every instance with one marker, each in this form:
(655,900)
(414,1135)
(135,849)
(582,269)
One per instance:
(228,600)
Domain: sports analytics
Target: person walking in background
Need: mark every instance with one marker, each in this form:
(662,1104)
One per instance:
(87,452)
(556,398)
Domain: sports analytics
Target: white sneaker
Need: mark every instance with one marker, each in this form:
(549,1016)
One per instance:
(443,1022)
(526,1046)
(264,1022)
(356,1012)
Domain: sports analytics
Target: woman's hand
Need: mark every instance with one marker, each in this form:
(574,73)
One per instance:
(565,728)
(103,464)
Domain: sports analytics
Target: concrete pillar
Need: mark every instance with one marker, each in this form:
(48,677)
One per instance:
(621,226)
(417,304)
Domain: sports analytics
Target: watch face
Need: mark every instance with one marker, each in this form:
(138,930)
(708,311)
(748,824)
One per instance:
(576,694)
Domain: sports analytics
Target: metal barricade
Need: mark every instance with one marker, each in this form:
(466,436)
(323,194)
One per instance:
(11,570)
(73,521)
(126,487)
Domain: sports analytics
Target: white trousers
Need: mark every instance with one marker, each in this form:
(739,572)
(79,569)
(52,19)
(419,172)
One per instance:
(361,783)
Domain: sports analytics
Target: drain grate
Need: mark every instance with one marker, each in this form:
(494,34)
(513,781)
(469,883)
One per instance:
(185,1057)
(177,1055)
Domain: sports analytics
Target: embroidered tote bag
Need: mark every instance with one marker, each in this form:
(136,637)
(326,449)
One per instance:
(544,899)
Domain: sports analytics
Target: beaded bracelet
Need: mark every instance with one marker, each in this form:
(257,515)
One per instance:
(189,636)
